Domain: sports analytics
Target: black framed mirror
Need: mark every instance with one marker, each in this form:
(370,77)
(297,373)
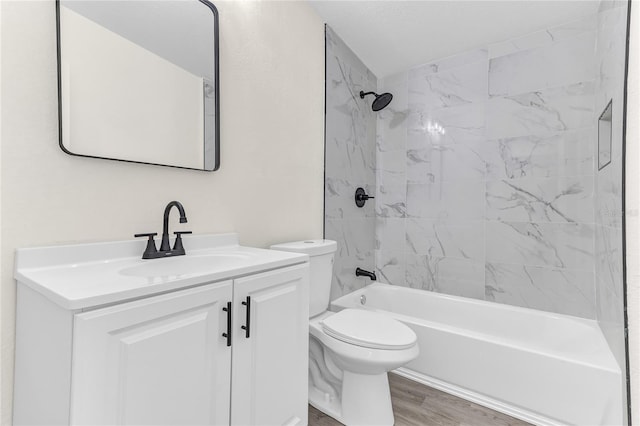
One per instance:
(138,81)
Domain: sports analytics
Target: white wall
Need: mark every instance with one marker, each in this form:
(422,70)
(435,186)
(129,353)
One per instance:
(633,209)
(270,184)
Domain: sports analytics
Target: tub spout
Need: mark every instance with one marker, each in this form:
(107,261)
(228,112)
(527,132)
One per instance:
(363,273)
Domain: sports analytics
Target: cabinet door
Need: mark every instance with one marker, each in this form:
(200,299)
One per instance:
(269,372)
(160,360)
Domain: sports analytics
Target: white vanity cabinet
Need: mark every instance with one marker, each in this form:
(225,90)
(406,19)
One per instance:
(167,358)
(160,360)
(268,371)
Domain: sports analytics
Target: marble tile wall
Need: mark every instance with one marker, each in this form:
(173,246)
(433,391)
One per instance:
(485,173)
(609,86)
(350,163)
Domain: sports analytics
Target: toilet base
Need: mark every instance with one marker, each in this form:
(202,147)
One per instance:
(365,400)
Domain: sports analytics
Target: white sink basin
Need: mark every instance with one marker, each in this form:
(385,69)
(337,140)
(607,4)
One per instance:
(185,265)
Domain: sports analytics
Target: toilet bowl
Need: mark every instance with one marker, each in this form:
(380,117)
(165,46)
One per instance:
(350,351)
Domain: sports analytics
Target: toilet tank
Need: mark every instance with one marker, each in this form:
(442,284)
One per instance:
(320,254)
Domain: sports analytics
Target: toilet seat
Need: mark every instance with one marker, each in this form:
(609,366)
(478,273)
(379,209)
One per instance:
(369,330)
(356,358)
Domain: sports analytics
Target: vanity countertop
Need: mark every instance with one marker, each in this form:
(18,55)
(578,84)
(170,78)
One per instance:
(84,276)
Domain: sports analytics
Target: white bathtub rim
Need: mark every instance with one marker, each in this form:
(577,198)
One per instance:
(470,300)
(608,365)
(477,398)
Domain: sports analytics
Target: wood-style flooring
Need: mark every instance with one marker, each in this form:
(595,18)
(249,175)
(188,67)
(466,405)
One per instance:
(415,404)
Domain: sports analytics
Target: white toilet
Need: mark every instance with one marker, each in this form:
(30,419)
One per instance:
(351,351)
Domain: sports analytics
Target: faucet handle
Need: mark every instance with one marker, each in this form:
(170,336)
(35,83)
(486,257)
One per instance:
(361,197)
(177,246)
(151,251)
(150,235)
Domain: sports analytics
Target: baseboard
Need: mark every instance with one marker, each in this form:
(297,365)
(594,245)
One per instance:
(478,398)
(330,408)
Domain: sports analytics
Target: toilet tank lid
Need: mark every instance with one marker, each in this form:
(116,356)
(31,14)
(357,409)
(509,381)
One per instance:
(310,247)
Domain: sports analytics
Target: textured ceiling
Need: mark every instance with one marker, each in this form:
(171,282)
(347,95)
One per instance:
(392,36)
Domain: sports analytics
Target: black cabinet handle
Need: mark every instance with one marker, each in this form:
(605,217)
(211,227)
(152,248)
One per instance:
(228,333)
(246,327)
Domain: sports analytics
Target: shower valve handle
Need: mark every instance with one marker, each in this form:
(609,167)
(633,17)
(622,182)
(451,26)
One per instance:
(361,197)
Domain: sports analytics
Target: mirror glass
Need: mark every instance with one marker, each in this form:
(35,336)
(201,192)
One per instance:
(138,81)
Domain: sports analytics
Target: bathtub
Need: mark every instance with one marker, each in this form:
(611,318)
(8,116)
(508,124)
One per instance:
(544,368)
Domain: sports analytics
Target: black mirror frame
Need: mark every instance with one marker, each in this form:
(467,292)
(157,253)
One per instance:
(216,83)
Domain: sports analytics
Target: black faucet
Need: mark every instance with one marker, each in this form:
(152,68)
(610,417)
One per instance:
(165,248)
(363,273)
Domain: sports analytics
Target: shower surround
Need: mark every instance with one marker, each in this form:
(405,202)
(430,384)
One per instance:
(610,85)
(350,154)
(486,173)
(497,173)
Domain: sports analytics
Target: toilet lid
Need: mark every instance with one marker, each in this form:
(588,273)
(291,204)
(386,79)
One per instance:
(369,329)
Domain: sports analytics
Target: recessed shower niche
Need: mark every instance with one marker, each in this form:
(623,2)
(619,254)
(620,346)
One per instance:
(604,137)
(138,81)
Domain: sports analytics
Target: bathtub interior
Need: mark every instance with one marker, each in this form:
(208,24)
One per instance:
(542,367)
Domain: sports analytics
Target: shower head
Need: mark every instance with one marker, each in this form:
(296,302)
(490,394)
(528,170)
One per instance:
(380,102)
